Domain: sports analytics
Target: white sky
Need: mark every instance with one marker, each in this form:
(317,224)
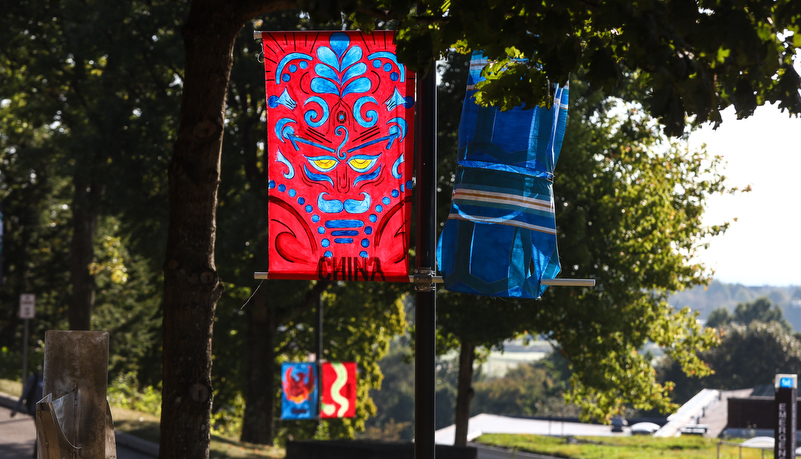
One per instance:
(763,247)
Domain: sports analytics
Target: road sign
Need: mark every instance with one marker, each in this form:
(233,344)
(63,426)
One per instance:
(785,414)
(27,303)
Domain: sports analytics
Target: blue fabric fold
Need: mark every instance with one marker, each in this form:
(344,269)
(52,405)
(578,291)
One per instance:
(500,236)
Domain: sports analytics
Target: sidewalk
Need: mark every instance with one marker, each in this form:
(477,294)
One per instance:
(17,436)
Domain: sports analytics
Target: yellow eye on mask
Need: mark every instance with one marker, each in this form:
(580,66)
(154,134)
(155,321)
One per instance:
(323,163)
(362,163)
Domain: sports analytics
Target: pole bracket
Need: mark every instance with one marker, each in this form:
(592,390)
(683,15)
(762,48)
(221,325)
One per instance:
(423,280)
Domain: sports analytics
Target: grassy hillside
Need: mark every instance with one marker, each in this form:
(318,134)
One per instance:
(639,447)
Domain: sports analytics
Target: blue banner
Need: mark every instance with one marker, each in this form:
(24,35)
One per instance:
(500,236)
(299,390)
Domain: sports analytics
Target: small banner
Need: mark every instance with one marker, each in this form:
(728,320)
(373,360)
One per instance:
(339,390)
(340,122)
(299,394)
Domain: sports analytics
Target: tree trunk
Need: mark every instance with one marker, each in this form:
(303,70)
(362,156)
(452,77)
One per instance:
(464,394)
(258,426)
(84,227)
(191,283)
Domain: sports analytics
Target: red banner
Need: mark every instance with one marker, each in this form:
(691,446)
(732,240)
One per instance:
(339,390)
(340,135)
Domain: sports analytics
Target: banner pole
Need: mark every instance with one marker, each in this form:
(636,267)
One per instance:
(25,353)
(425,299)
(319,359)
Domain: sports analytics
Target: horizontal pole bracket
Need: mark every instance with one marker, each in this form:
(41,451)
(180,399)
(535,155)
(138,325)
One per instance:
(425,277)
(424,280)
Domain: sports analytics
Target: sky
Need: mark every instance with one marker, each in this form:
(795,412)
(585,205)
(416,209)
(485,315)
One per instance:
(763,247)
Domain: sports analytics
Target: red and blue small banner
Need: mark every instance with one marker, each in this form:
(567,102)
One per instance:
(339,390)
(299,394)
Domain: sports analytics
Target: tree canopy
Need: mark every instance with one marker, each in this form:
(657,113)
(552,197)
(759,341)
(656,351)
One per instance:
(759,310)
(749,355)
(690,58)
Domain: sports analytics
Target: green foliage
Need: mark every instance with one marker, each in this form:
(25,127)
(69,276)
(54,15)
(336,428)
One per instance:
(629,206)
(36,234)
(633,447)
(390,431)
(532,389)
(227,422)
(690,59)
(718,318)
(87,97)
(760,310)
(124,391)
(394,399)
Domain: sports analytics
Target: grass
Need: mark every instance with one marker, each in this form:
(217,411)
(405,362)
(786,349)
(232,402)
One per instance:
(11,387)
(639,447)
(146,427)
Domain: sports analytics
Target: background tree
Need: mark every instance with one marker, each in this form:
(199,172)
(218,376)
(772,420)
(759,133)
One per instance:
(719,317)
(759,310)
(101,107)
(35,238)
(395,400)
(96,110)
(716,294)
(749,355)
(629,203)
(629,206)
(531,389)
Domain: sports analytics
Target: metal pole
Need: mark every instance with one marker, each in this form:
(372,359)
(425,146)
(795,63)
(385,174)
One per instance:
(425,298)
(25,354)
(319,357)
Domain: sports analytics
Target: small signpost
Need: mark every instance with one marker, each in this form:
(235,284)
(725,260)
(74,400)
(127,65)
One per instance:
(785,412)
(27,307)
